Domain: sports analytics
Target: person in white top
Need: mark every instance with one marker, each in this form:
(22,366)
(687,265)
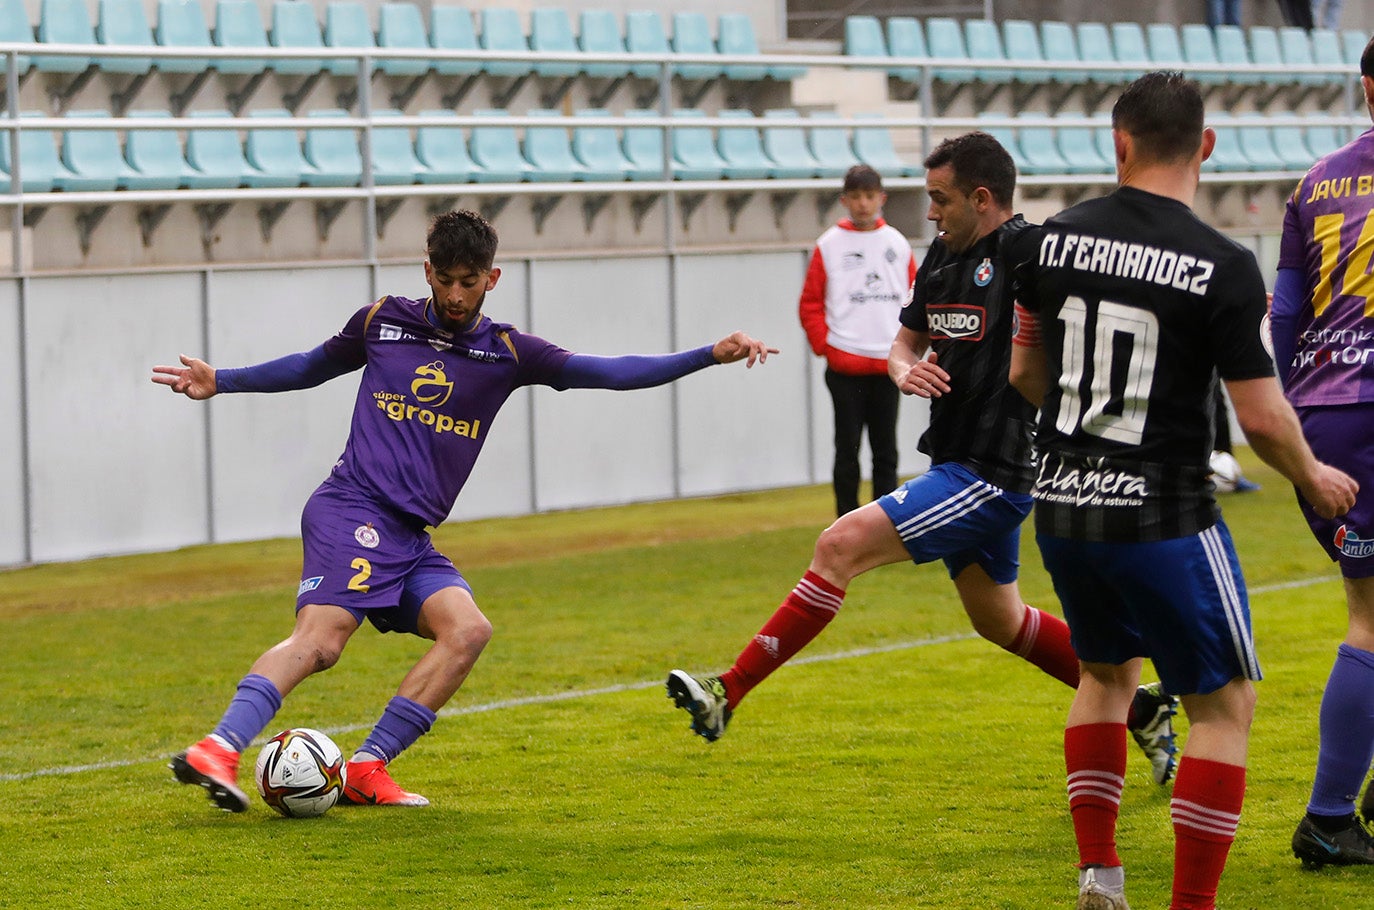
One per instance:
(860,275)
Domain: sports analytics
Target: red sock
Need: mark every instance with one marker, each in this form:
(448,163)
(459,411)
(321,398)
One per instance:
(1044,641)
(800,618)
(1205,811)
(1095,757)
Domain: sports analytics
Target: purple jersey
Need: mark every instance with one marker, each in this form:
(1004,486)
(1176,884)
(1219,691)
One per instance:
(1328,235)
(427,399)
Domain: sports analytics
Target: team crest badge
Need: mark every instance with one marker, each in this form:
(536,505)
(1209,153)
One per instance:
(367,536)
(983,274)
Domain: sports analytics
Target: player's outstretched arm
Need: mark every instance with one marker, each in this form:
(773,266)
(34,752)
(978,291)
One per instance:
(739,346)
(194,378)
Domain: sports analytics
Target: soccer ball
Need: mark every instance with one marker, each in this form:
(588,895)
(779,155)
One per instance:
(1225,471)
(300,773)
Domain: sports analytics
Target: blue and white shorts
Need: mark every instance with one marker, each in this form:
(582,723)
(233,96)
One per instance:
(951,513)
(1179,602)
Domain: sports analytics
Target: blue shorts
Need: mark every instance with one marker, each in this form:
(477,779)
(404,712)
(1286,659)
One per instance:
(1339,436)
(1179,602)
(369,560)
(951,513)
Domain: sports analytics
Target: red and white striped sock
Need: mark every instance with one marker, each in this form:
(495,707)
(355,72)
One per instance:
(1044,641)
(1206,812)
(1095,758)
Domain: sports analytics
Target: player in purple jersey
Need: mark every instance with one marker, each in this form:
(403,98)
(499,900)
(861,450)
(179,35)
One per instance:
(434,374)
(1128,314)
(1323,334)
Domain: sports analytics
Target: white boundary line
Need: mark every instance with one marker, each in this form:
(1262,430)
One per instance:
(554,697)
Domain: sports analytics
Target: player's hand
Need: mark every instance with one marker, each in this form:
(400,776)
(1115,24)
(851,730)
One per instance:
(194,378)
(1330,491)
(925,379)
(738,346)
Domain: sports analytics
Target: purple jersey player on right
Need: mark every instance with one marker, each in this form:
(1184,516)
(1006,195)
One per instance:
(1323,333)
(434,374)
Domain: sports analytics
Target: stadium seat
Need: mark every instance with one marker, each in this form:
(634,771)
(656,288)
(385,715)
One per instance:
(597,149)
(1095,46)
(332,152)
(1323,139)
(873,146)
(692,35)
(443,150)
(644,148)
(737,38)
(1257,143)
(984,45)
(906,38)
(1353,43)
(294,26)
(346,25)
(1004,135)
(1058,42)
(1290,143)
(551,32)
(549,150)
(1079,148)
(1106,145)
(830,145)
(1200,49)
(694,149)
(1023,46)
(64,22)
(599,33)
(1264,51)
(1326,51)
(1128,46)
(496,150)
(239,24)
(1295,48)
(181,24)
(215,155)
(501,31)
(945,39)
(786,146)
(43,171)
(394,161)
(1227,155)
(400,27)
(275,152)
(155,156)
(644,34)
(863,37)
(742,148)
(1165,50)
(451,29)
(1039,147)
(1232,51)
(15,27)
(121,23)
(92,156)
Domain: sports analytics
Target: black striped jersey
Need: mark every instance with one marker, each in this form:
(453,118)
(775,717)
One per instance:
(964,302)
(1141,306)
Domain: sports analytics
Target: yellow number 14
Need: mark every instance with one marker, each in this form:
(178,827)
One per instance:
(1356,282)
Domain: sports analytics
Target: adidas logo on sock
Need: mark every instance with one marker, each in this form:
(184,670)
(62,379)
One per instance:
(769,643)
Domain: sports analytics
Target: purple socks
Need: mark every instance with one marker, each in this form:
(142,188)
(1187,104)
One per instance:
(1347,733)
(250,711)
(403,722)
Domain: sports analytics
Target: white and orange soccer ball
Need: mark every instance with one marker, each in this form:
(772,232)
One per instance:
(300,773)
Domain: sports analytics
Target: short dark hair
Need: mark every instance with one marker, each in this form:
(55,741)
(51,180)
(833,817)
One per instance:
(461,238)
(1163,113)
(977,159)
(1367,60)
(862,177)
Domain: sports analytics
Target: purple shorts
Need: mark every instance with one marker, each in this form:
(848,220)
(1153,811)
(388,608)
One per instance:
(1341,436)
(373,562)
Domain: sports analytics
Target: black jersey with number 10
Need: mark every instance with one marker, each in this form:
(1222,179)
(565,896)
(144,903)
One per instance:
(1141,306)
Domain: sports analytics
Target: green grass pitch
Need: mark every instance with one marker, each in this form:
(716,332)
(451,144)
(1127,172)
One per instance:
(899,762)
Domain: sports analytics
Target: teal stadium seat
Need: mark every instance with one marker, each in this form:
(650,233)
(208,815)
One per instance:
(830,145)
(1290,143)
(181,24)
(1023,46)
(275,152)
(155,156)
(1039,147)
(644,148)
(1227,156)
(1200,49)
(1060,46)
(736,38)
(873,146)
(1079,148)
(394,162)
(549,150)
(1095,46)
(451,29)
(1004,135)
(551,31)
(92,156)
(1106,145)
(1233,52)
(786,146)
(42,170)
(1165,50)
(215,155)
(496,149)
(346,26)
(692,35)
(1323,138)
(694,149)
(984,44)
(597,149)
(1257,143)
(1264,50)
(644,34)
(294,26)
(742,148)
(906,37)
(1295,47)
(332,152)
(239,24)
(122,23)
(1326,51)
(501,31)
(945,39)
(64,22)
(443,150)
(599,33)
(1128,46)
(1353,43)
(400,27)
(863,37)
(15,28)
